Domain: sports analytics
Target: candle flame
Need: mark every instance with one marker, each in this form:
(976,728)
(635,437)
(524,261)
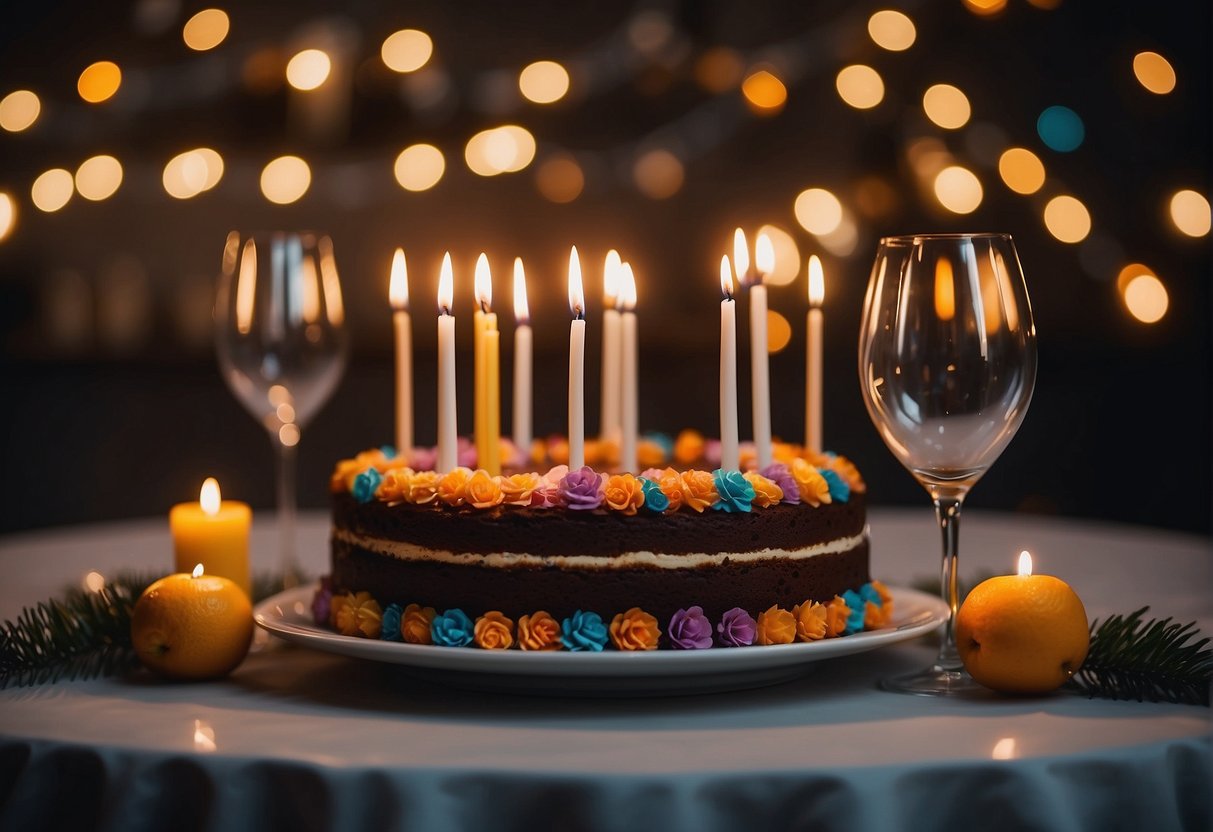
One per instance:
(398,287)
(1004,749)
(1025,563)
(611,278)
(627,295)
(522,310)
(945,290)
(484,283)
(726,277)
(817,281)
(741,256)
(764,254)
(446,286)
(576,293)
(209,496)
(197,573)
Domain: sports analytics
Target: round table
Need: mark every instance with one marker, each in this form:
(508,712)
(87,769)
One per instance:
(311,740)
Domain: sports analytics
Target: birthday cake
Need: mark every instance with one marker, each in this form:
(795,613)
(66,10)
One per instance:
(678,557)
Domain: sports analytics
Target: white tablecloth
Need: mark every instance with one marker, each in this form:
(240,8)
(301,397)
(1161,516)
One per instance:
(310,740)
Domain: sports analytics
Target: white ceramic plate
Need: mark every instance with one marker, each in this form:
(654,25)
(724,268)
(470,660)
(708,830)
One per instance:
(289,616)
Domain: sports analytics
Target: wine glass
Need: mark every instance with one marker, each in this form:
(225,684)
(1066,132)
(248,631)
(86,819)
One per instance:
(281,340)
(947,362)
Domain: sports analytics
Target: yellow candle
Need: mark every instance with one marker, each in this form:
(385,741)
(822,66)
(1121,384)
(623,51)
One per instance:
(488,387)
(213,532)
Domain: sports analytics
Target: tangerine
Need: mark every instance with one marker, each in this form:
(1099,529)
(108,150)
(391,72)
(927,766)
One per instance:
(187,627)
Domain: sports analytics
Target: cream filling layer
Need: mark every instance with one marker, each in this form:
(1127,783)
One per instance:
(411,551)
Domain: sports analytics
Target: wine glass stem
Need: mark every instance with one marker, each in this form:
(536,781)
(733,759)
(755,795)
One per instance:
(286,513)
(947,509)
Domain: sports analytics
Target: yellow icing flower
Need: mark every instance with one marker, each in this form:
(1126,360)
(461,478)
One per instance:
(837,613)
(766,492)
(748,457)
(370,459)
(814,489)
(423,488)
(784,452)
(516,489)
(343,475)
(482,490)
(360,615)
(815,458)
(539,632)
(671,486)
(810,621)
(452,488)
(776,626)
(846,469)
(539,451)
(494,632)
(415,624)
(649,453)
(336,605)
(395,485)
(688,447)
(624,493)
(699,489)
(634,630)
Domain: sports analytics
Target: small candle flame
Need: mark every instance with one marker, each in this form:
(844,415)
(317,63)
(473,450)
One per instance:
(945,290)
(817,282)
(204,736)
(1004,749)
(764,254)
(610,278)
(446,286)
(484,283)
(197,573)
(209,496)
(726,277)
(398,286)
(522,310)
(741,256)
(627,295)
(576,293)
(1025,563)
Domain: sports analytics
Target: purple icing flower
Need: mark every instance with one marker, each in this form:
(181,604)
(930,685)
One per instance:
(690,629)
(737,628)
(582,490)
(781,475)
(322,602)
(547,495)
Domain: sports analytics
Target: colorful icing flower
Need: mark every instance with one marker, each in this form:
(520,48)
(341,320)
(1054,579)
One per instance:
(634,630)
(655,499)
(359,615)
(608,453)
(322,602)
(836,485)
(747,454)
(395,485)
(423,459)
(583,631)
(699,489)
(688,447)
(539,451)
(465,454)
(337,603)
(558,450)
(814,490)
(452,629)
(878,605)
(781,475)
(784,452)
(815,458)
(737,628)
(390,630)
(370,458)
(767,492)
(343,475)
(539,632)
(649,453)
(452,488)
(423,488)
(776,626)
(547,495)
(736,493)
(663,441)
(847,470)
(624,493)
(711,453)
(416,626)
(366,484)
(886,597)
(670,482)
(837,615)
(482,490)
(582,490)
(494,631)
(388,451)
(690,629)
(856,603)
(516,489)
(511,456)
(810,621)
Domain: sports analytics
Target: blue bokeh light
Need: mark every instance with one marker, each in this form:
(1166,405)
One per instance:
(1061,128)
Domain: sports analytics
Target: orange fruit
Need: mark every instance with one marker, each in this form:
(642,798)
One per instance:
(192,628)
(1022,633)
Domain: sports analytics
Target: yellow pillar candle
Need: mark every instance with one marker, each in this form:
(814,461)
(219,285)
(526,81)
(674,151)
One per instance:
(488,375)
(213,532)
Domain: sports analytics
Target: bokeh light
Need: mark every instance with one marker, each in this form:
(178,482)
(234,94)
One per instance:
(658,173)
(764,92)
(308,69)
(1021,170)
(285,179)
(787,255)
(99,81)
(407,50)
(1146,298)
(946,106)
(1061,128)
(1190,213)
(779,331)
(18,110)
(543,82)
(97,178)
(505,149)
(1067,219)
(892,30)
(958,189)
(1129,272)
(560,179)
(1154,72)
(818,211)
(192,172)
(860,86)
(984,8)
(8,215)
(719,69)
(205,30)
(52,190)
(419,167)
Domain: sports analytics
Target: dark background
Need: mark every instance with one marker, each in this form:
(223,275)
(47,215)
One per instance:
(112,405)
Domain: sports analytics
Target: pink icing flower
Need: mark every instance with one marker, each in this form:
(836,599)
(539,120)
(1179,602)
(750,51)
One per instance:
(467,454)
(690,629)
(547,495)
(423,459)
(582,490)
(653,474)
(711,453)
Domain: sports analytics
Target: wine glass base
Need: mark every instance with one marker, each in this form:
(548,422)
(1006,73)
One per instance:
(933,681)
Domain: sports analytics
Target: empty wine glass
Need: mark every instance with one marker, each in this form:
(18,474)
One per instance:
(947,361)
(282,344)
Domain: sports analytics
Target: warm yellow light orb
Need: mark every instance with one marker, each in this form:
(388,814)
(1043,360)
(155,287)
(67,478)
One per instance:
(505,149)
(192,172)
(52,190)
(892,30)
(985,7)
(779,331)
(1021,170)
(285,179)
(543,82)
(764,92)
(99,81)
(97,178)
(1128,273)
(1154,72)
(1190,213)
(308,69)
(1067,219)
(407,50)
(958,189)
(1146,298)
(205,30)
(719,69)
(860,86)
(8,215)
(787,256)
(818,211)
(658,174)
(18,110)
(419,167)
(947,106)
(560,179)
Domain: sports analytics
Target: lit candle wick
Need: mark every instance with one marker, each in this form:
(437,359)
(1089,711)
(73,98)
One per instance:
(197,573)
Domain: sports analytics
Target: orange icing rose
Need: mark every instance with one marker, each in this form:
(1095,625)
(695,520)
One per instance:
(810,621)
(784,452)
(776,626)
(539,632)
(415,624)
(423,488)
(558,451)
(539,451)
(395,485)
(814,458)
(748,457)
(482,490)
(814,489)
(393,464)
(370,459)
(452,488)
(360,615)
(837,613)
(494,632)
(671,486)
(688,447)
(516,489)
(846,469)
(886,597)
(649,453)
(635,630)
(592,451)
(699,489)
(343,475)
(766,492)
(874,616)
(336,605)
(624,493)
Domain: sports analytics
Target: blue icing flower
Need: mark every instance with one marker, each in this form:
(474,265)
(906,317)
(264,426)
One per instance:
(855,620)
(388,450)
(452,629)
(654,498)
(662,439)
(869,593)
(366,484)
(840,492)
(391,623)
(736,493)
(583,631)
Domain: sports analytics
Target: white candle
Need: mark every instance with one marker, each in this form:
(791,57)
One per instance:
(760,384)
(448,437)
(522,362)
(629,399)
(730,455)
(402,323)
(576,365)
(813,348)
(611,418)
